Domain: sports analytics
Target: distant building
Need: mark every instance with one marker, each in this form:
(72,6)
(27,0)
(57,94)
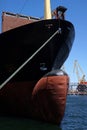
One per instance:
(10,20)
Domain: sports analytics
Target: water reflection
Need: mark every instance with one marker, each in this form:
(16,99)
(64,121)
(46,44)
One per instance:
(9,123)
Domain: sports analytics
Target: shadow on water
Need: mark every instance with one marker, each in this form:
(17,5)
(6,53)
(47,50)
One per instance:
(9,123)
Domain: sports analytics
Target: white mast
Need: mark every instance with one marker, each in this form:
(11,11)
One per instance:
(47,9)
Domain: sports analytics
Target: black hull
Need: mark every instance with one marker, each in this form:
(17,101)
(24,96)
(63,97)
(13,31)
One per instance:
(18,44)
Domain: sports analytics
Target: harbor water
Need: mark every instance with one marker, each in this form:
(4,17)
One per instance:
(75,118)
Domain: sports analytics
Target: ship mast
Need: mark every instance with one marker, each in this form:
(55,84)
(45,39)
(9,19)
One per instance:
(47,9)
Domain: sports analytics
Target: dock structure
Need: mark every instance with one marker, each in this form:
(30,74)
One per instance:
(73,89)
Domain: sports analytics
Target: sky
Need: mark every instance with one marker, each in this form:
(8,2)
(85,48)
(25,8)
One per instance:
(76,13)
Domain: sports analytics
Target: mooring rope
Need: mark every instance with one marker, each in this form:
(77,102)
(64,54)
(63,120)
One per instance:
(31,57)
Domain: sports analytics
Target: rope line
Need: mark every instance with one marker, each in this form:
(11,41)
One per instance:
(30,58)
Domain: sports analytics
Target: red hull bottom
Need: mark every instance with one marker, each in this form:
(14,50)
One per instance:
(44,100)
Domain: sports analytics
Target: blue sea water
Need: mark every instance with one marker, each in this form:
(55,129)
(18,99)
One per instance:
(75,118)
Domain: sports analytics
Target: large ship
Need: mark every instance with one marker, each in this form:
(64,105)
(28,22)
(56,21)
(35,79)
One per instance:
(32,82)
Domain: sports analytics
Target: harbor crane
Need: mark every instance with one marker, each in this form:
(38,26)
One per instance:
(82,83)
(79,71)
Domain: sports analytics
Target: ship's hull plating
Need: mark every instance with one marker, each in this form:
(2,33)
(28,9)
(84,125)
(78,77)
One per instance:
(22,95)
(17,45)
(44,100)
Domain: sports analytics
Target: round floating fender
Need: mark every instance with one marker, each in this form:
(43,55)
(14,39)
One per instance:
(49,97)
